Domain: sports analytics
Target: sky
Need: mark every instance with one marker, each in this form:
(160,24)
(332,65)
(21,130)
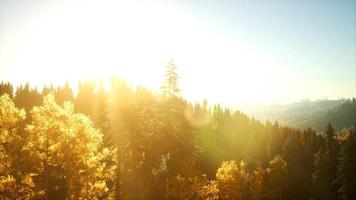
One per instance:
(225,51)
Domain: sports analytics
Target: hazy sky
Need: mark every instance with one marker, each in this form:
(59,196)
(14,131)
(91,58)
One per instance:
(227,51)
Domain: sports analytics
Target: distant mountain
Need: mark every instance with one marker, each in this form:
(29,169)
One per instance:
(315,114)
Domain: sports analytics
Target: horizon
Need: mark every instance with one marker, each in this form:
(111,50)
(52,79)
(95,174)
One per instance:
(177,99)
(250,108)
(239,52)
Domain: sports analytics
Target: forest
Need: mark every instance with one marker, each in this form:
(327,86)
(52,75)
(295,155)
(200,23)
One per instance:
(341,113)
(132,143)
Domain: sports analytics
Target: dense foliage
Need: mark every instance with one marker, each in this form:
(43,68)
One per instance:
(130,143)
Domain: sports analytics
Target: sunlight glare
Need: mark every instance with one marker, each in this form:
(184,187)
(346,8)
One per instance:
(134,41)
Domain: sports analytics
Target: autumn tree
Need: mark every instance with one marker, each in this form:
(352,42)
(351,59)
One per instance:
(161,147)
(229,181)
(210,191)
(16,166)
(184,188)
(67,145)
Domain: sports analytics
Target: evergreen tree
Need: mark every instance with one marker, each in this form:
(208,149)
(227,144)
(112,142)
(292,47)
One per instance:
(294,155)
(6,88)
(277,173)
(62,94)
(275,141)
(332,147)
(322,178)
(161,147)
(101,118)
(331,142)
(26,97)
(311,144)
(170,86)
(346,176)
(252,181)
(85,101)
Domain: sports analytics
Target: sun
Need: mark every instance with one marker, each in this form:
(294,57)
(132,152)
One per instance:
(71,43)
(95,40)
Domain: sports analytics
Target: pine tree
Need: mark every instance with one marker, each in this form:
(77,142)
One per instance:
(346,176)
(85,101)
(252,181)
(294,155)
(331,142)
(62,94)
(26,97)
(322,178)
(100,117)
(275,141)
(276,177)
(311,146)
(6,88)
(170,86)
(332,147)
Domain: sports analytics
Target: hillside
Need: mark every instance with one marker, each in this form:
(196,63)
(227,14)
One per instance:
(316,114)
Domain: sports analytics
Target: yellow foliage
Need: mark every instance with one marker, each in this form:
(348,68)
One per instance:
(229,181)
(15,179)
(210,191)
(181,187)
(10,116)
(67,141)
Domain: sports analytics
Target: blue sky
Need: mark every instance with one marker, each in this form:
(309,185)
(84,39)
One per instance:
(319,36)
(226,51)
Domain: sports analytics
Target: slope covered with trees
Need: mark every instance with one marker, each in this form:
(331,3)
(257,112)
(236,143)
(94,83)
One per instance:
(131,143)
(343,115)
(314,114)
